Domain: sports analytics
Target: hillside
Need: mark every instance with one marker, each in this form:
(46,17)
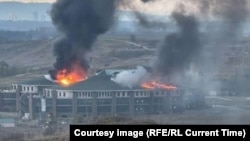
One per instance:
(107,52)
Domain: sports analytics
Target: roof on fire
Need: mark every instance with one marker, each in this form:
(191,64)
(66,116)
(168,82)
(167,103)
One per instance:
(101,81)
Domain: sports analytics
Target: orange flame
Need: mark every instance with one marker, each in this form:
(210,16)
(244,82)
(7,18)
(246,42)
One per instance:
(67,78)
(154,85)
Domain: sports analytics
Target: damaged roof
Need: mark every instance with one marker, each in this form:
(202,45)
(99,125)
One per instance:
(102,81)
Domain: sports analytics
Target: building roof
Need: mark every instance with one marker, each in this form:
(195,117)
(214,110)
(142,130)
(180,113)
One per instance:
(7,120)
(38,81)
(102,81)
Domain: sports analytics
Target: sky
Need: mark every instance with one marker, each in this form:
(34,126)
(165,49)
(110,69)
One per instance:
(161,6)
(30,0)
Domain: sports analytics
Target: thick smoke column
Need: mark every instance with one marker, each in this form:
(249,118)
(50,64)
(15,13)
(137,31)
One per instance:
(146,0)
(142,18)
(233,14)
(177,50)
(81,21)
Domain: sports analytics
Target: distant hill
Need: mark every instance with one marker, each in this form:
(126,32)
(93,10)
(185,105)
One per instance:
(24,11)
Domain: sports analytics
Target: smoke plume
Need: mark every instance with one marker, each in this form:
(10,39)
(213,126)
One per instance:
(224,22)
(178,48)
(80,21)
(143,19)
(232,13)
(131,78)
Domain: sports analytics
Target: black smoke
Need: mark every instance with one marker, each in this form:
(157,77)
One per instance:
(81,22)
(146,0)
(231,17)
(144,20)
(177,50)
(232,13)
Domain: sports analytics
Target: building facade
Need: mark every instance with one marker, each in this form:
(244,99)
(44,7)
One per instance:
(94,97)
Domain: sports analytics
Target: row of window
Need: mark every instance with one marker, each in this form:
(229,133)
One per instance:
(24,88)
(59,94)
(106,94)
(28,88)
(14,87)
(62,94)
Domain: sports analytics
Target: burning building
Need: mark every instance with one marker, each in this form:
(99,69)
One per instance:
(101,95)
(104,94)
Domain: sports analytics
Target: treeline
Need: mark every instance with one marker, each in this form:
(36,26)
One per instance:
(7,70)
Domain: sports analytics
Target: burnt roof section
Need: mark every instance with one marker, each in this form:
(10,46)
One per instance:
(102,81)
(42,81)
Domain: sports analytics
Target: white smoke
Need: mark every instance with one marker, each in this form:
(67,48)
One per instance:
(131,78)
(48,77)
(193,74)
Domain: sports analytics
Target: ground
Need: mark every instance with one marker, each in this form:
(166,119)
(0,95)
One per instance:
(220,110)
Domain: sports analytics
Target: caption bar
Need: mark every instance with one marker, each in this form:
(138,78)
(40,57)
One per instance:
(156,131)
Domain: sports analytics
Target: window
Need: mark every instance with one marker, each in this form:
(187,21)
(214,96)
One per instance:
(24,89)
(138,93)
(64,94)
(27,88)
(60,94)
(31,88)
(125,94)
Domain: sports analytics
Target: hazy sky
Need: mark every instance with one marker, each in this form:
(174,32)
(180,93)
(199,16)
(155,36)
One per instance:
(30,0)
(157,7)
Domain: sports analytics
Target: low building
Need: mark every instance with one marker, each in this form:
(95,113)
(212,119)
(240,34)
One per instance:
(28,95)
(8,101)
(96,96)
(100,96)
